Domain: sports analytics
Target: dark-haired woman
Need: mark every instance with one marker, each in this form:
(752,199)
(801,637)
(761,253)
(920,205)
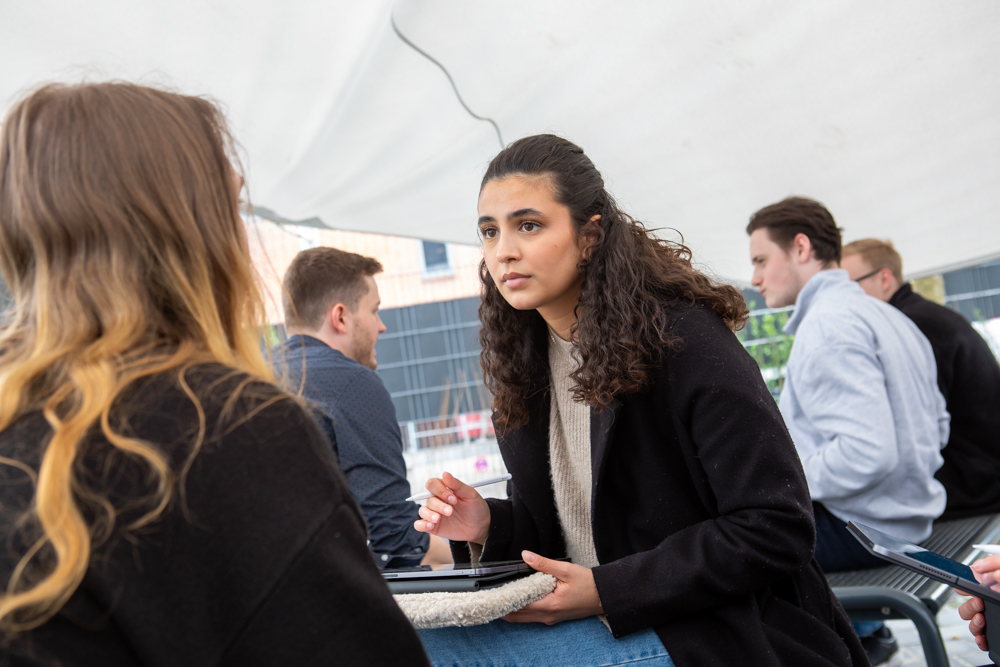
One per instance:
(642,441)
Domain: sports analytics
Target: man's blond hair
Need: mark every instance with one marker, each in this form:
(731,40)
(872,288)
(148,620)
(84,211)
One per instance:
(877,254)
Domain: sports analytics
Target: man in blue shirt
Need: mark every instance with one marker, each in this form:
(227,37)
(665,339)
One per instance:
(331,306)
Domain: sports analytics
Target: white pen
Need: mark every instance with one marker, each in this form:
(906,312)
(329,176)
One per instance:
(992,549)
(483,482)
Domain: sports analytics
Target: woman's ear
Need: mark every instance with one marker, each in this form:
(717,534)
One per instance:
(590,235)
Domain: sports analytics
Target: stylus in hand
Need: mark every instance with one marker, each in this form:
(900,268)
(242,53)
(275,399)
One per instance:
(992,549)
(482,482)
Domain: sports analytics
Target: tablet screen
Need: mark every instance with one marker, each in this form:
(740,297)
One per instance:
(940,562)
(890,543)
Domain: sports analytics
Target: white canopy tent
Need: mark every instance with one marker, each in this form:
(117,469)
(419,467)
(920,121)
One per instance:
(697,113)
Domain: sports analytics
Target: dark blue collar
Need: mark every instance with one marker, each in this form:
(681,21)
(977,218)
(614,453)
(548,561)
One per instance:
(303,340)
(314,348)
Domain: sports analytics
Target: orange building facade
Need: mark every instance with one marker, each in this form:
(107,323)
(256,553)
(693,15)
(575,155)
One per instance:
(411,275)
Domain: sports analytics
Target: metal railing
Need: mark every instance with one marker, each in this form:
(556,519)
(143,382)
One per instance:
(770,346)
(981,294)
(464,428)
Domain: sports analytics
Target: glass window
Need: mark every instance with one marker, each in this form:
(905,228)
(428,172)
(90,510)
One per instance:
(436,257)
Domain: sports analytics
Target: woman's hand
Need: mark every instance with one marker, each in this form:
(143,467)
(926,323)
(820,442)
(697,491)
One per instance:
(575,595)
(456,511)
(987,571)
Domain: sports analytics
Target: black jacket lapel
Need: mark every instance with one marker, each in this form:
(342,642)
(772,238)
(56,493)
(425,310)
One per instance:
(526,450)
(602,432)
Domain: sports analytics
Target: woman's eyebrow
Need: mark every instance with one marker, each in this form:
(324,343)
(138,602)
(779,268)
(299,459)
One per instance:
(519,213)
(523,212)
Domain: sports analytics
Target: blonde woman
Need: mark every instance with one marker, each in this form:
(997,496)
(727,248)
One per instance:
(161,501)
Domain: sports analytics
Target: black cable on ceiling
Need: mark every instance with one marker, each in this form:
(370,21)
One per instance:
(392,19)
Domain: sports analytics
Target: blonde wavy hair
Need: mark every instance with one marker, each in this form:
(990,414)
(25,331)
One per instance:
(123,247)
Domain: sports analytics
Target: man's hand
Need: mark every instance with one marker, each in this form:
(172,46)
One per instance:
(987,571)
(456,511)
(575,595)
(972,611)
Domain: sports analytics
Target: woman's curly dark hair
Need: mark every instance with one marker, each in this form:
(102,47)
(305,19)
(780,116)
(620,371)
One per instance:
(630,281)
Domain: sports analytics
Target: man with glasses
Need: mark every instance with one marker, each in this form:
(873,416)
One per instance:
(967,374)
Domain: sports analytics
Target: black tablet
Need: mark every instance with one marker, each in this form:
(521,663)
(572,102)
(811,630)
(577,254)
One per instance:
(457,578)
(462,570)
(931,565)
(455,584)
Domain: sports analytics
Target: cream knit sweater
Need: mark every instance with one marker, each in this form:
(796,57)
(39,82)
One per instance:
(569,455)
(569,459)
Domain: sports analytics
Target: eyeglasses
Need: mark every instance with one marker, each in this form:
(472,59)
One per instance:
(867,275)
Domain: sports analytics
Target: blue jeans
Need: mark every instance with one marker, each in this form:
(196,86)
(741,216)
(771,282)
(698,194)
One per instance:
(838,551)
(583,642)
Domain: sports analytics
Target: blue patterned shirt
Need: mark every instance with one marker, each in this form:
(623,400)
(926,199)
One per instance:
(357,413)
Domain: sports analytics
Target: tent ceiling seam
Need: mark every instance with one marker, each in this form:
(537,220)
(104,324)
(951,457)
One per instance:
(392,20)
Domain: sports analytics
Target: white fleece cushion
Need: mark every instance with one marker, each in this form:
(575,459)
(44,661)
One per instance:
(442,610)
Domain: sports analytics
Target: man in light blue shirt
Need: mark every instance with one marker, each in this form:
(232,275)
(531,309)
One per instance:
(860,397)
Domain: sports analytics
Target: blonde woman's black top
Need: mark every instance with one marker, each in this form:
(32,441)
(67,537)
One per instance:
(262,560)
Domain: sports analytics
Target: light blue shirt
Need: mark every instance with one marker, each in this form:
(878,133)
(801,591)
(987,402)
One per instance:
(863,407)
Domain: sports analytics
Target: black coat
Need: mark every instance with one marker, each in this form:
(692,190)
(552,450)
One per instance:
(969,379)
(264,563)
(701,515)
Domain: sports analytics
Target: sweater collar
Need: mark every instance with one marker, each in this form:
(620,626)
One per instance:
(823,281)
(563,348)
(900,295)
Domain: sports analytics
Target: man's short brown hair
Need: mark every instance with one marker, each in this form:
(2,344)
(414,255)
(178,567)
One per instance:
(799,215)
(877,254)
(320,278)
